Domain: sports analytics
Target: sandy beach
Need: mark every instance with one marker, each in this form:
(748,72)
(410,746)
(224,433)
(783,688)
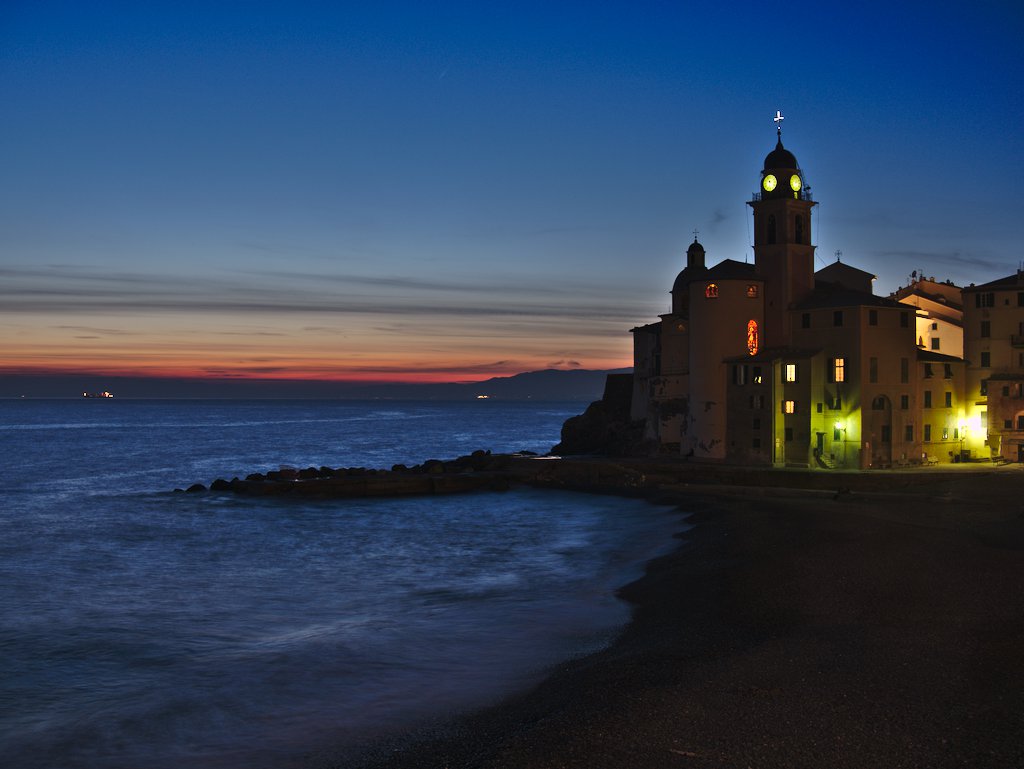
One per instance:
(792,628)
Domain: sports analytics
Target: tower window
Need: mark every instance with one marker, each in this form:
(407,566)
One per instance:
(711,291)
(771,229)
(799,230)
(752,291)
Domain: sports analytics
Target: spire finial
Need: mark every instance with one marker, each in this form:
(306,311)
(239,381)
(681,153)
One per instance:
(839,255)
(695,235)
(778,122)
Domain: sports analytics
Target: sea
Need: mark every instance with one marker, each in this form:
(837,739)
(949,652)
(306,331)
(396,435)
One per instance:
(143,627)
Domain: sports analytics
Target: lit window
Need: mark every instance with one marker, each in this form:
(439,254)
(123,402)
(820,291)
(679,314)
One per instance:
(790,372)
(752,339)
(757,375)
(788,407)
(840,369)
(945,433)
(711,291)
(752,291)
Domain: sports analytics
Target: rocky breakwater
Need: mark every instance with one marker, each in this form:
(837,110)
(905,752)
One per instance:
(479,471)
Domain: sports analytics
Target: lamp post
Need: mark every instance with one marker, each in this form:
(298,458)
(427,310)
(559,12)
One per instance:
(963,437)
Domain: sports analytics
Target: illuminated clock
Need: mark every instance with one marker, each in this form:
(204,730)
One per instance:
(794,182)
(769,182)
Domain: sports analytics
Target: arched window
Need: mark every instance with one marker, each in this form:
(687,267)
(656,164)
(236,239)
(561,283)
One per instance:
(753,344)
(799,229)
(771,229)
(711,291)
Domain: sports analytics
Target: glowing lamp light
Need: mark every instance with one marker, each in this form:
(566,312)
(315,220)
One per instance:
(839,425)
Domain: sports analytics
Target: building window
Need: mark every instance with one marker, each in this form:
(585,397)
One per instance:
(1020,298)
(935,326)
(757,378)
(872,317)
(935,343)
(1006,390)
(839,370)
(805,320)
(1008,424)
(752,291)
(927,399)
(904,402)
(986,328)
(945,433)
(878,403)
(756,424)
(752,337)
(755,443)
(873,369)
(788,407)
(711,291)
(886,434)
(837,318)
(790,372)
(927,433)
(986,359)
(789,434)
(908,433)
(739,375)
(904,320)
(819,407)
(947,371)
(928,373)
(949,400)
(985,300)
(984,387)
(1020,422)
(757,402)
(904,370)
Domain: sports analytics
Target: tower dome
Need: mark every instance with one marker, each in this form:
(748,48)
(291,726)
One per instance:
(695,254)
(780,157)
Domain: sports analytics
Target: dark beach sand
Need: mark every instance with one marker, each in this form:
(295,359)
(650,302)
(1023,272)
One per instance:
(792,629)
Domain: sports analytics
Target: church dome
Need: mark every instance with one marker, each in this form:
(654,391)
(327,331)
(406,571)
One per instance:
(780,157)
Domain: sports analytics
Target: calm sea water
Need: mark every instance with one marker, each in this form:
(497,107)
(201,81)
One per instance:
(142,628)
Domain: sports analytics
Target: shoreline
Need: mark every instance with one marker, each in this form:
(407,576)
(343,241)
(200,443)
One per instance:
(792,627)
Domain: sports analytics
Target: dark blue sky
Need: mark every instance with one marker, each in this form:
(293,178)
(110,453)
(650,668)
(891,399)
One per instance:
(395,190)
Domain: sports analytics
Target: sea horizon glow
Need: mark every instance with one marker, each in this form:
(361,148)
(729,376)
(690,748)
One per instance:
(403,193)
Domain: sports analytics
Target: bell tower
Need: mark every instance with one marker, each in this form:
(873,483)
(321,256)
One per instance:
(783,253)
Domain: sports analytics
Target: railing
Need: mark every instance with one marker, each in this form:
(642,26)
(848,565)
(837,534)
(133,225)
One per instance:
(802,195)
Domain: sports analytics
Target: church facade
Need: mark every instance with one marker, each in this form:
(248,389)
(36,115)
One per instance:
(774,363)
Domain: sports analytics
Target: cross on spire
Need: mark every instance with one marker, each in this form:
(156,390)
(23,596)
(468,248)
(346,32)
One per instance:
(778,122)
(839,255)
(695,235)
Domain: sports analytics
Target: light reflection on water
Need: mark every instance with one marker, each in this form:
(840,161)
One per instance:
(147,628)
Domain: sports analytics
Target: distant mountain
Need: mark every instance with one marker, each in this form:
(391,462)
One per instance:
(546,385)
(551,384)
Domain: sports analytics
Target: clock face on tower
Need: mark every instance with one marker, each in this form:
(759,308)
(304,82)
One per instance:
(794,183)
(769,182)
